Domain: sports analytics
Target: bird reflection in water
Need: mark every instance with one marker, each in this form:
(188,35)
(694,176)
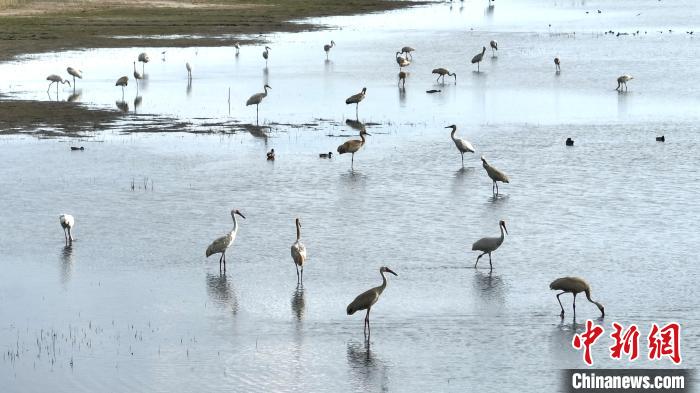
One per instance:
(402,96)
(66,263)
(137,102)
(75,96)
(189,87)
(221,292)
(122,106)
(328,65)
(298,302)
(266,76)
(368,370)
(489,286)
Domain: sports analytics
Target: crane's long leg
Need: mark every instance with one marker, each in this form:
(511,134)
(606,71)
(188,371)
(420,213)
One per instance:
(357,105)
(297,266)
(462,160)
(490,265)
(574,306)
(65,236)
(302,274)
(367,327)
(352,160)
(70,237)
(221,258)
(224,255)
(560,305)
(496,183)
(477,259)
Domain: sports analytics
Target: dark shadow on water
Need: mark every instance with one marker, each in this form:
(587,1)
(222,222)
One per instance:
(221,292)
(66,264)
(298,302)
(368,371)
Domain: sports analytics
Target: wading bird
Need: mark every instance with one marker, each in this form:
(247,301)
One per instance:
(574,285)
(56,79)
(76,73)
(237,45)
(352,146)
(266,54)
(402,78)
(143,58)
(463,145)
(137,76)
(407,50)
(327,48)
(221,244)
(477,59)
(366,300)
(255,99)
(557,64)
(495,175)
(402,62)
(622,81)
(189,70)
(67,222)
(356,98)
(123,81)
(441,72)
(299,253)
(487,245)
(271,155)
(494,47)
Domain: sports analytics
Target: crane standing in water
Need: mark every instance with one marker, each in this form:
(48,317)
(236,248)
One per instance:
(356,99)
(221,244)
(266,54)
(441,72)
(495,174)
(143,58)
(463,145)
(487,245)
(327,48)
(622,81)
(256,99)
(352,146)
(67,222)
(367,299)
(477,59)
(494,47)
(123,81)
(76,73)
(574,285)
(299,253)
(56,79)
(137,76)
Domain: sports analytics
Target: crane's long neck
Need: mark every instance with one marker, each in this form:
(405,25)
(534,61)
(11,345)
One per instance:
(453,133)
(362,137)
(503,236)
(298,231)
(380,288)
(265,93)
(588,296)
(235,224)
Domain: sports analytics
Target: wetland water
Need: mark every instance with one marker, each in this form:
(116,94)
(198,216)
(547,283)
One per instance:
(135,306)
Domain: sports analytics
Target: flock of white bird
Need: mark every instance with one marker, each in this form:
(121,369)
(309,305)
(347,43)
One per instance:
(367,299)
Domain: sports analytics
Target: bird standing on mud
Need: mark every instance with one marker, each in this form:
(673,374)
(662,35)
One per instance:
(221,244)
(495,174)
(367,299)
(463,145)
(477,59)
(487,245)
(356,99)
(67,222)
(299,253)
(352,146)
(574,285)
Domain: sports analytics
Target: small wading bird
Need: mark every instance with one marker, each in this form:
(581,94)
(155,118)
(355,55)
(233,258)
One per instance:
(494,47)
(189,70)
(352,146)
(55,79)
(266,54)
(487,245)
(356,98)
(256,99)
(477,59)
(143,58)
(402,61)
(271,155)
(557,64)
(123,81)
(622,81)
(441,72)
(407,50)
(67,222)
(402,78)
(574,285)
(299,253)
(137,76)
(366,300)
(237,45)
(221,244)
(327,48)
(495,175)
(76,73)
(463,145)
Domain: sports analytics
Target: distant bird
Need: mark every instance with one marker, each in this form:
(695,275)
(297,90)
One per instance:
(326,155)
(402,62)
(661,138)
(76,73)
(237,45)
(495,175)
(441,72)
(402,78)
(432,91)
(463,145)
(353,145)
(189,70)
(56,79)
(77,148)
(299,253)
(367,299)
(271,155)
(356,98)
(327,48)
(67,222)
(255,99)
(487,245)
(220,245)
(569,142)
(494,47)
(143,58)
(622,81)
(574,285)
(407,50)
(477,59)
(137,76)
(557,64)
(266,54)
(123,81)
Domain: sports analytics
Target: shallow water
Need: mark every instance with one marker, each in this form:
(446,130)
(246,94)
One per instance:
(135,306)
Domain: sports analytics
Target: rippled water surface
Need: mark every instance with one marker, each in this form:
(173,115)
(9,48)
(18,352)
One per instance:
(135,306)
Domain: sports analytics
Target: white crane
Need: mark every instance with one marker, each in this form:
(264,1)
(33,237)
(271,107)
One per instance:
(256,99)
(123,81)
(143,58)
(407,50)
(266,54)
(495,174)
(327,48)
(56,79)
(189,70)
(299,253)
(494,47)
(75,73)
(487,245)
(574,285)
(137,76)
(367,299)
(622,81)
(463,145)
(67,222)
(220,245)
(477,59)
(353,145)
(356,99)
(441,72)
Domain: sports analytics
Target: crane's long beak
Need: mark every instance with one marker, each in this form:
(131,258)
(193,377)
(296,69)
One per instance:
(391,271)
(240,214)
